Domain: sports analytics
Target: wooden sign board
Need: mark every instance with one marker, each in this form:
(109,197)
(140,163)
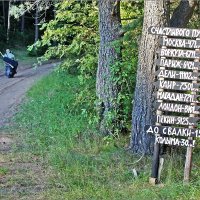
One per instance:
(180,108)
(178,53)
(178,120)
(172,131)
(175,32)
(177,85)
(182,54)
(178,64)
(172,96)
(172,74)
(180,43)
(174,141)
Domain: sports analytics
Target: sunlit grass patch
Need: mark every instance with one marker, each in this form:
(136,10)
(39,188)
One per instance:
(3,171)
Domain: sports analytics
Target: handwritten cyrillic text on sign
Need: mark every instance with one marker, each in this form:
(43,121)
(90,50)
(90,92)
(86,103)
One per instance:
(178,53)
(179,64)
(178,32)
(177,85)
(178,120)
(174,141)
(171,96)
(180,108)
(172,74)
(180,43)
(172,131)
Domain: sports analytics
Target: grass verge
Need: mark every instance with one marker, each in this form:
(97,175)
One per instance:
(86,165)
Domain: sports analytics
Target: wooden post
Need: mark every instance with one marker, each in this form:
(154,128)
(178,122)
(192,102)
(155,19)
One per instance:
(188,160)
(155,165)
(160,168)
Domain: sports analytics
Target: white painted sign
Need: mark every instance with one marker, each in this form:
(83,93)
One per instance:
(178,32)
(180,43)
(177,85)
(178,120)
(180,108)
(178,53)
(174,141)
(171,96)
(179,64)
(172,131)
(182,75)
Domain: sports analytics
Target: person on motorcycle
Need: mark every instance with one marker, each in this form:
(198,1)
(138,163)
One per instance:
(11,56)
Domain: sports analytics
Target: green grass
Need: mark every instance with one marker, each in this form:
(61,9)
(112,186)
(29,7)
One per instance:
(3,171)
(86,165)
(22,56)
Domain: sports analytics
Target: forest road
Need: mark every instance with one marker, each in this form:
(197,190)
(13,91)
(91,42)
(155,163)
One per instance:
(12,90)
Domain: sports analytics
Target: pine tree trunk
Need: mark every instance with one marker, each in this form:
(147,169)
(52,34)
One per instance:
(36,23)
(4,14)
(155,14)
(8,22)
(183,13)
(109,26)
(22,23)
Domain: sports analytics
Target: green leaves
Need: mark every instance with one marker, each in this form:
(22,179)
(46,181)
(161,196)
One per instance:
(73,36)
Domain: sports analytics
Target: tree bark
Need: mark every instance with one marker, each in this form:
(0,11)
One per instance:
(155,14)
(183,13)
(22,23)
(109,27)
(4,15)
(36,23)
(8,22)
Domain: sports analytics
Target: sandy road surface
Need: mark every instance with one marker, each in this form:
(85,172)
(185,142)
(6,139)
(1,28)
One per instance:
(12,90)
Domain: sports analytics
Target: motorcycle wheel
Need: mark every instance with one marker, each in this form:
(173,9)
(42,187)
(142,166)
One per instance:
(9,73)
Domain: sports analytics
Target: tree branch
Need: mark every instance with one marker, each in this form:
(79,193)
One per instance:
(116,8)
(130,18)
(183,13)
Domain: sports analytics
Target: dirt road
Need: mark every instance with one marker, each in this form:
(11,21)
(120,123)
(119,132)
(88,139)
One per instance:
(12,90)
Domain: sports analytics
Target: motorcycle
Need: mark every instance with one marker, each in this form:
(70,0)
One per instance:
(10,67)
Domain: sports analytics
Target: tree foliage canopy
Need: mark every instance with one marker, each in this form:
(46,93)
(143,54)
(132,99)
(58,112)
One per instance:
(73,36)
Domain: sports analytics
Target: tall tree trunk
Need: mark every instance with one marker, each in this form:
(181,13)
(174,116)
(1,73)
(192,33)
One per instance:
(155,14)
(8,22)
(36,23)
(4,14)
(22,23)
(183,13)
(109,27)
